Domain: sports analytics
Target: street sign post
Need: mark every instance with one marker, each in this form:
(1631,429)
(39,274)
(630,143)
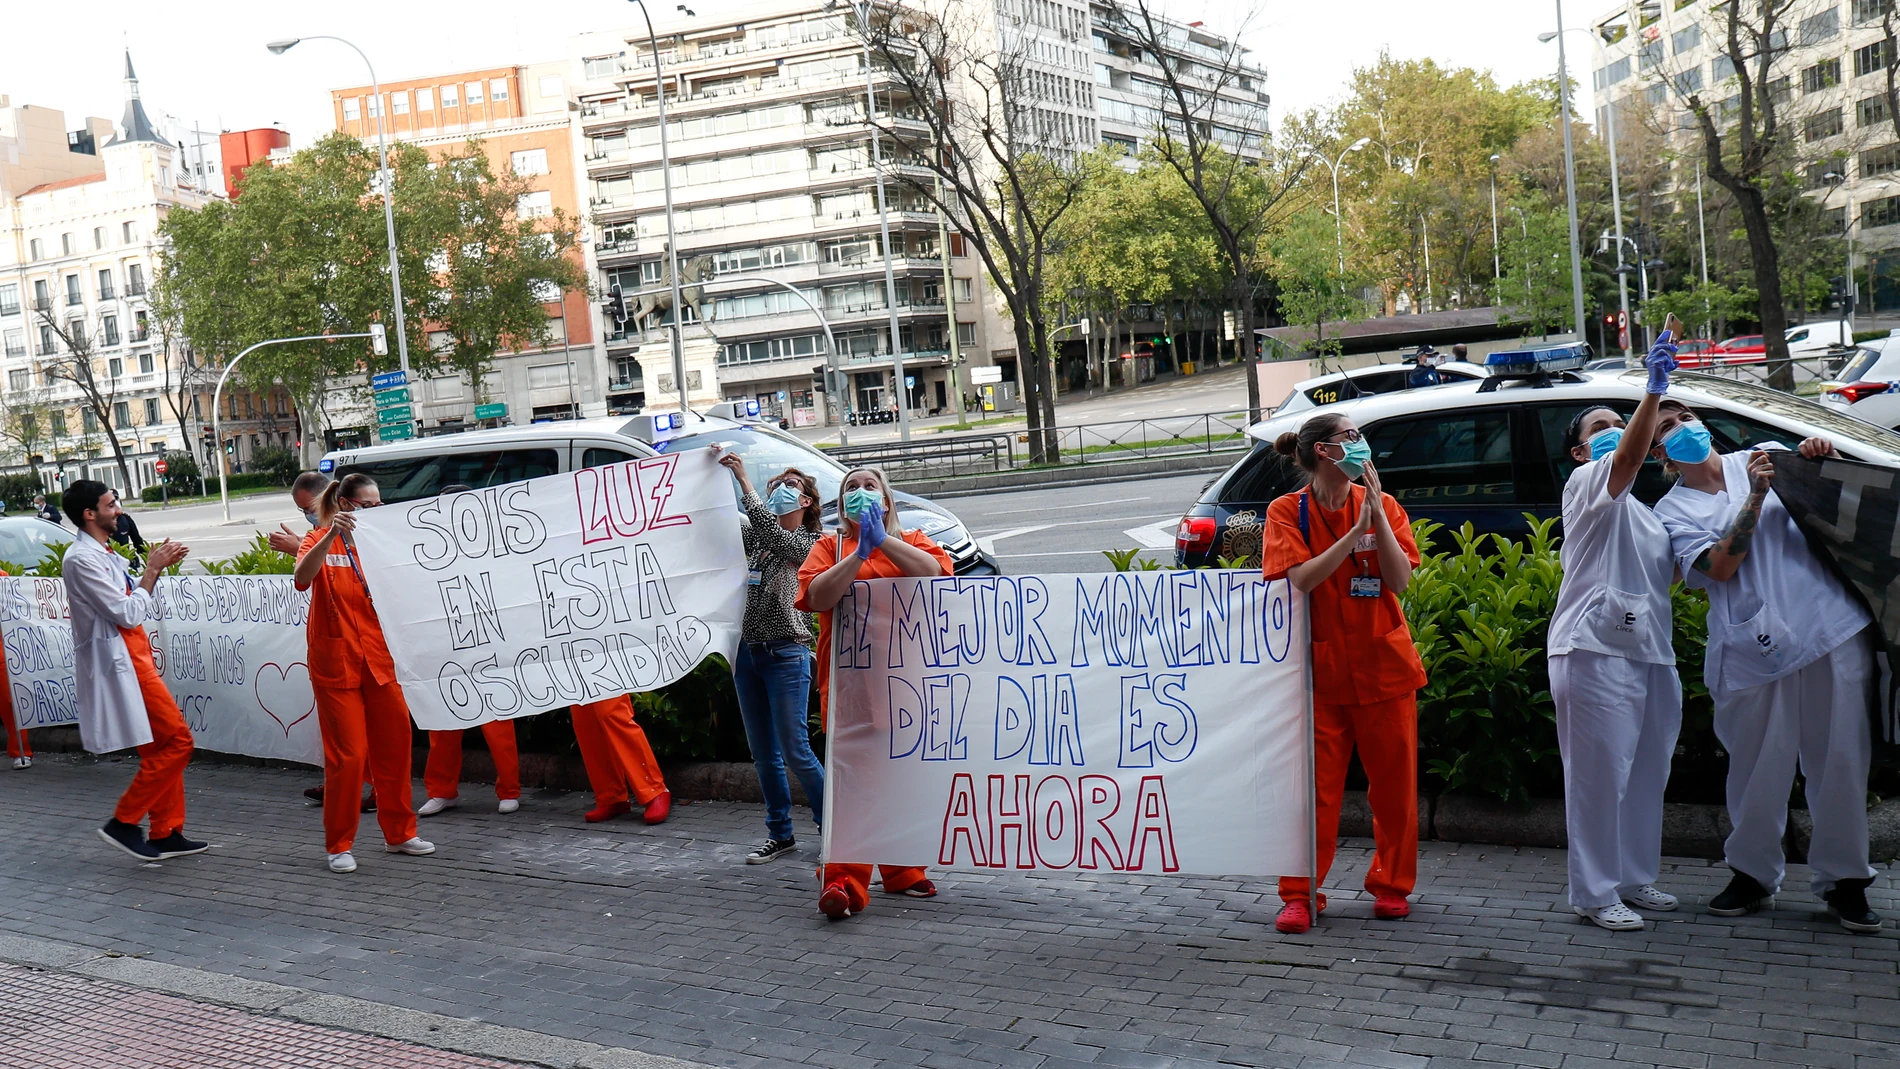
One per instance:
(391,398)
(388,380)
(490,411)
(396,432)
(389,416)
(159,466)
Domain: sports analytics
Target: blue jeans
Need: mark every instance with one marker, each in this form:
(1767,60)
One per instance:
(774,684)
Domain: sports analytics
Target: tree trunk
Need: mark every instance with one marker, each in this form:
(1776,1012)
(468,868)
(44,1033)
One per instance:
(1249,352)
(1767,263)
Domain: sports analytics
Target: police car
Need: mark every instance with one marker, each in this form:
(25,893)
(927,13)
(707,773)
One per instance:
(1487,452)
(421,467)
(1362,381)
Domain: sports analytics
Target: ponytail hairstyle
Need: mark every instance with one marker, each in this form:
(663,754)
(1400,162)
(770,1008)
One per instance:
(331,502)
(1300,446)
(807,487)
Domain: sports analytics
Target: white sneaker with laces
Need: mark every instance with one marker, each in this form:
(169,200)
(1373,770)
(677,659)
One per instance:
(436,805)
(342,862)
(509,805)
(423,847)
(1616,917)
(1647,897)
(22,762)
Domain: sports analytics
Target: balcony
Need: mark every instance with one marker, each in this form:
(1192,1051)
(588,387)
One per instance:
(42,304)
(606,248)
(140,334)
(135,288)
(107,293)
(11,309)
(74,300)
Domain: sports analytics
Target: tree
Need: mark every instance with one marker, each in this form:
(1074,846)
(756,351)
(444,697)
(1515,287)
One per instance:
(1535,253)
(1703,307)
(962,111)
(75,361)
(1312,290)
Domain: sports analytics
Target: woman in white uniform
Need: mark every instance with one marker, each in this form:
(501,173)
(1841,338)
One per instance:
(1612,668)
(1790,665)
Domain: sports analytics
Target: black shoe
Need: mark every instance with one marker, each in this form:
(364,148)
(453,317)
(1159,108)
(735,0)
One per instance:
(129,838)
(772,850)
(315,794)
(1742,895)
(1847,903)
(176,845)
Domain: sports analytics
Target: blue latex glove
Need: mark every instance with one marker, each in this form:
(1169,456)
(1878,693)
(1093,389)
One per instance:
(1660,361)
(870,532)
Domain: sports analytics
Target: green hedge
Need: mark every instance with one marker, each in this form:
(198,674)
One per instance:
(250,480)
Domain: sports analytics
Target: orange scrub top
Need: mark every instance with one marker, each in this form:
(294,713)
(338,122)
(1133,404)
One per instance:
(824,555)
(346,641)
(1362,648)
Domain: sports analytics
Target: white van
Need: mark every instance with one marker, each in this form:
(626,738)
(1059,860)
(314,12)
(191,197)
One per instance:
(421,467)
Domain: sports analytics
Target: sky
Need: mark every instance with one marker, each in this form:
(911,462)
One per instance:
(206,61)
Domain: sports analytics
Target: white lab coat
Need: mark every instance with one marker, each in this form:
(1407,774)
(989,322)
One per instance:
(103,599)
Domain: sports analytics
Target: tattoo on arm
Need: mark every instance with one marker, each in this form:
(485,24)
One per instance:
(1735,543)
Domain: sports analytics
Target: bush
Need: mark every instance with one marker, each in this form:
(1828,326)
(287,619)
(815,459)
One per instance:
(17,491)
(246,481)
(181,474)
(258,558)
(277,463)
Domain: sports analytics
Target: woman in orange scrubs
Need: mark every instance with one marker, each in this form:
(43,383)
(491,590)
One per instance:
(1350,548)
(360,710)
(18,746)
(870,546)
(618,757)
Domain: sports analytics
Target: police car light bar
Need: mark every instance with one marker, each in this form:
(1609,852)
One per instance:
(1545,360)
(735,409)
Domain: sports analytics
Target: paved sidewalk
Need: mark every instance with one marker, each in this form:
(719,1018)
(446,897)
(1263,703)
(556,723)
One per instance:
(662,940)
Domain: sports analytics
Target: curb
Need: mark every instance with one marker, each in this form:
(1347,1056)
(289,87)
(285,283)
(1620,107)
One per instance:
(340,1012)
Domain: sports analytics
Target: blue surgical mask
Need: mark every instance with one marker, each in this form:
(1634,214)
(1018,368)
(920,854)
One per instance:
(311,519)
(1354,462)
(1688,443)
(857,502)
(784,500)
(1605,442)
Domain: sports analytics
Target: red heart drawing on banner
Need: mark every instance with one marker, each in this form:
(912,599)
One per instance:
(288,697)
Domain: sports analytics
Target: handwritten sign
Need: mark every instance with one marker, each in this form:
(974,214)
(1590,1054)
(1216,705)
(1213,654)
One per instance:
(1151,722)
(534,595)
(231,647)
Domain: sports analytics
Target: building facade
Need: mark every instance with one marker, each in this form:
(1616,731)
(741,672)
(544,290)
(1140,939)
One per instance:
(521,114)
(1129,89)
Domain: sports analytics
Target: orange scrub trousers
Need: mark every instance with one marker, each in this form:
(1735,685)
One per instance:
(360,709)
(1366,675)
(443,773)
(158,788)
(17,743)
(827,552)
(616,753)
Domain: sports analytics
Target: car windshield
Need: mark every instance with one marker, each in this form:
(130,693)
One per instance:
(1837,425)
(26,542)
(767,454)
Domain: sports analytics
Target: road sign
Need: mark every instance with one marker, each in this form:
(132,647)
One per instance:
(396,433)
(490,411)
(159,466)
(398,414)
(391,398)
(388,380)
(991,373)
(1622,330)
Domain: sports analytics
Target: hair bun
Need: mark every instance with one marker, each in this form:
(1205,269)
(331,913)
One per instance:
(1287,444)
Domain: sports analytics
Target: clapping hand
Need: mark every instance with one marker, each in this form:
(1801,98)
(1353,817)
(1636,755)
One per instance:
(164,555)
(870,532)
(284,540)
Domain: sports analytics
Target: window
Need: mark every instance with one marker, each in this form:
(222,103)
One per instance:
(115,368)
(352,109)
(16,346)
(10,299)
(498,89)
(17,379)
(535,204)
(36,249)
(121,414)
(1779,91)
(1649,55)
(105,284)
(1689,81)
(88,420)
(598,456)
(375,107)
(49,341)
(399,103)
(1871,111)
(98,237)
(963,290)
(472,92)
(1616,72)
(966,335)
(425,100)
(1880,161)
(408,478)
(547,377)
(110,324)
(1873,58)
(1882,212)
(529,161)
(73,295)
(1869,10)
(145,362)
(1821,75)
(67,245)
(1440,460)
(129,232)
(1822,125)
(1821,26)
(1683,40)
(134,280)
(151,411)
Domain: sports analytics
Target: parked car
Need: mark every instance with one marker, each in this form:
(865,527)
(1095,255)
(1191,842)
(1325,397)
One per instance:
(1460,454)
(29,540)
(1359,381)
(1813,339)
(421,467)
(1741,349)
(1868,385)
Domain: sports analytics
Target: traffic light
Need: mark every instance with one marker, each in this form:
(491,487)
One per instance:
(210,443)
(378,340)
(617,306)
(230,447)
(818,377)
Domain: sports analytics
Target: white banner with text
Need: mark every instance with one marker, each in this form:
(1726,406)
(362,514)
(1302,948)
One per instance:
(1150,722)
(535,595)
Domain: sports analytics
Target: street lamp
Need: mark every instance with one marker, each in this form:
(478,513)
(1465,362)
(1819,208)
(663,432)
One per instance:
(1497,261)
(1339,222)
(1525,226)
(278,48)
(666,181)
(1838,180)
(1570,175)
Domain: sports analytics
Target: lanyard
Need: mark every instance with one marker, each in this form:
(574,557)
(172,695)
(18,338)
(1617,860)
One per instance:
(349,552)
(1362,558)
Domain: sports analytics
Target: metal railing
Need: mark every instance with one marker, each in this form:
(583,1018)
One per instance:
(933,458)
(1086,443)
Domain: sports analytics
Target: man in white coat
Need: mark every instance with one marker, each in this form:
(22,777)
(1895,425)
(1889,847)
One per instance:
(1789,663)
(122,698)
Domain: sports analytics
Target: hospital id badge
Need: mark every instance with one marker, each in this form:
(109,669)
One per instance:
(1365,586)
(753,577)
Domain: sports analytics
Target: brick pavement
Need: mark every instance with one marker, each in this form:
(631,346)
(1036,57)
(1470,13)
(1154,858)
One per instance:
(663,940)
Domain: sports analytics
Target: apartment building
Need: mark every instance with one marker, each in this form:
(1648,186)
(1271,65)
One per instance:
(1829,81)
(78,244)
(772,180)
(1130,92)
(521,115)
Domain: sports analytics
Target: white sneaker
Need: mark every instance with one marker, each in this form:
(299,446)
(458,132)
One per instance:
(342,862)
(1647,897)
(436,805)
(422,848)
(509,805)
(22,762)
(1616,917)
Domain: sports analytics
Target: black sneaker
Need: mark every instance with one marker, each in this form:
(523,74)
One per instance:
(1847,903)
(129,838)
(772,850)
(176,845)
(1742,895)
(315,794)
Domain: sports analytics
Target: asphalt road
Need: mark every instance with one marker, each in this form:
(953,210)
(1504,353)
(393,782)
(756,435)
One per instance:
(1066,530)
(202,527)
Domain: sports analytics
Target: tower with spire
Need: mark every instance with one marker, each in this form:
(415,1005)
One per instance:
(139,154)
(134,126)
